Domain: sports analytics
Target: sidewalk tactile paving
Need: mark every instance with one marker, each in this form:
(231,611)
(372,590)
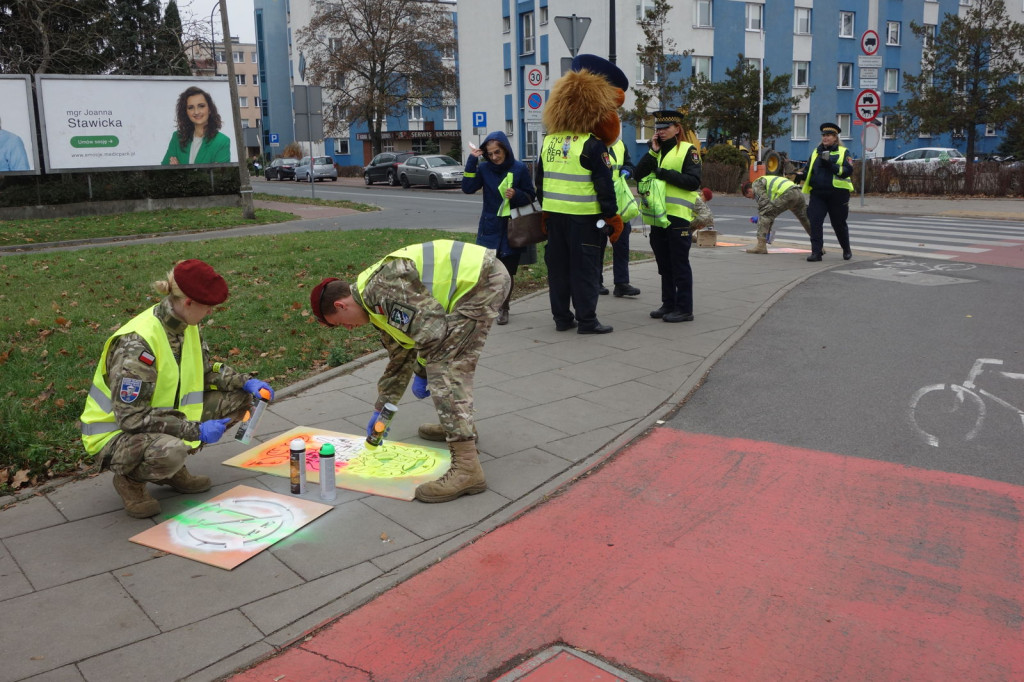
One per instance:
(562,664)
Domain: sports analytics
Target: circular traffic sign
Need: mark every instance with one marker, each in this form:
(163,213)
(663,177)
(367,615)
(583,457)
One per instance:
(535,77)
(534,100)
(869,42)
(871,136)
(867,105)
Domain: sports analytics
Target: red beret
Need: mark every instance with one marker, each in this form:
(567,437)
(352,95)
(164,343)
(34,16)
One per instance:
(198,281)
(706,192)
(315,296)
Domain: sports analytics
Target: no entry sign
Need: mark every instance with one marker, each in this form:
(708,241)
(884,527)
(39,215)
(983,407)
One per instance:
(867,105)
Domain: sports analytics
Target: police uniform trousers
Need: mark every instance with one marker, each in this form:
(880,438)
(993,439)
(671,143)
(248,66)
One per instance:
(620,257)
(836,205)
(671,246)
(150,456)
(573,257)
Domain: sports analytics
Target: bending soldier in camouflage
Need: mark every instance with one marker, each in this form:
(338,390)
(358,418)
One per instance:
(774,195)
(156,396)
(434,304)
(703,219)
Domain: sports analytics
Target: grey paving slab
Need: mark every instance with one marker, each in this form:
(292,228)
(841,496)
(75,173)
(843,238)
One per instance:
(226,666)
(337,383)
(61,554)
(541,389)
(579,447)
(523,363)
(391,561)
(491,401)
(29,515)
(628,400)
(86,497)
(173,655)
(569,348)
(513,432)
(571,416)
(96,615)
(346,536)
(659,358)
(670,379)
(513,476)
(283,486)
(175,591)
(602,372)
(278,610)
(68,673)
(433,520)
(309,409)
(13,582)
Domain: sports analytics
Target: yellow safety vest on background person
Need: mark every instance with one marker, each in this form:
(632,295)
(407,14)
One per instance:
(777,185)
(678,201)
(184,381)
(448,269)
(568,186)
(837,181)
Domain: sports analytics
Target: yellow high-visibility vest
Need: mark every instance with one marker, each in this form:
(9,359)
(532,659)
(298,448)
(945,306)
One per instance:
(837,182)
(568,186)
(678,201)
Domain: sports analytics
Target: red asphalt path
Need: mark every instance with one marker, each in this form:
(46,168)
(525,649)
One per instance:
(694,557)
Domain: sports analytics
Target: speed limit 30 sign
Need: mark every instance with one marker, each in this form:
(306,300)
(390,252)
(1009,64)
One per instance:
(535,77)
(867,105)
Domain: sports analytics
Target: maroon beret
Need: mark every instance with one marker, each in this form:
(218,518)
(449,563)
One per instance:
(198,281)
(316,296)
(706,193)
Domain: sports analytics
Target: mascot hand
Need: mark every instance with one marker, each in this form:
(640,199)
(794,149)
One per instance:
(615,222)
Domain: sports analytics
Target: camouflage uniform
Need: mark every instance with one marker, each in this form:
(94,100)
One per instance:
(450,344)
(768,209)
(152,444)
(701,215)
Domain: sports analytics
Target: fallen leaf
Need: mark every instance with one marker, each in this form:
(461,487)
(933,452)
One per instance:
(20,479)
(234,351)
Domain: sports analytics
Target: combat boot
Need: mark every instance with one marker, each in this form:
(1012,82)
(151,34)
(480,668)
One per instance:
(503,315)
(184,482)
(465,477)
(761,247)
(137,502)
(435,432)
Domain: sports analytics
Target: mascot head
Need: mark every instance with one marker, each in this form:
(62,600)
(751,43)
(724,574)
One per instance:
(586,99)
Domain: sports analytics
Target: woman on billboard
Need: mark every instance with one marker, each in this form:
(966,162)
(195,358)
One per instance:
(198,138)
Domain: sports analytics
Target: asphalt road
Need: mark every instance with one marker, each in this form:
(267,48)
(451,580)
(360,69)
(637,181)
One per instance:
(836,365)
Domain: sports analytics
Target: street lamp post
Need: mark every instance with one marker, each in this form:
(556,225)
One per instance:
(244,181)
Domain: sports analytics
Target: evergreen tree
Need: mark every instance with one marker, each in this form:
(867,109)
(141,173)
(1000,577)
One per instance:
(169,43)
(131,47)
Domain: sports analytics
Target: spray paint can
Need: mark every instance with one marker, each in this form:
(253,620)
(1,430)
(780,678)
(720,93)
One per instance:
(380,427)
(327,489)
(297,465)
(252,418)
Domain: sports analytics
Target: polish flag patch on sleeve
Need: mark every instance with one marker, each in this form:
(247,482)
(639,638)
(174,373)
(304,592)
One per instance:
(147,358)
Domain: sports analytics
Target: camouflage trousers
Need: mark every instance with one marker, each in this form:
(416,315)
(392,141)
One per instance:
(702,216)
(450,372)
(156,456)
(790,200)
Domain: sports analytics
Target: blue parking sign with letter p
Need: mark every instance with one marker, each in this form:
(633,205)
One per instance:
(274,137)
(479,119)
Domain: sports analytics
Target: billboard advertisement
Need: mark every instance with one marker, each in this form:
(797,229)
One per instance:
(133,122)
(18,153)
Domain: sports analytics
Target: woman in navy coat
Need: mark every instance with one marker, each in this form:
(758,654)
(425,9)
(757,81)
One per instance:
(506,184)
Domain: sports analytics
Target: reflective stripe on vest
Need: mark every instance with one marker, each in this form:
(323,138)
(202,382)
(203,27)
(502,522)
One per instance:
(777,185)
(448,269)
(837,182)
(568,186)
(98,422)
(678,201)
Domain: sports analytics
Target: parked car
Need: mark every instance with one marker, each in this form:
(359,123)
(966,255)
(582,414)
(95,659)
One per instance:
(436,170)
(930,159)
(281,169)
(382,168)
(320,167)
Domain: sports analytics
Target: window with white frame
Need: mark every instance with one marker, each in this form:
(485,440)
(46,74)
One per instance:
(799,126)
(801,74)
(844,121)
(424,146)
(802,20)
(238,56)
(341,145)
(892,33)
(886,124)
(928,39)
(415,112)
(256,102)
(641,8)
(449,112)
(966,3)
(543,18)
(753,17)
(245,123)
(528,33)
(255,81)
(892,80)
(506,24)
(253,55)
(989,131)
(700,66)
(510,127)
(240,78)
(846,24)
(448,52)
(845,80)
(532,143)
(243,102)
(702,14)
(387,145)
(220,57)
(645,73)
(508,76)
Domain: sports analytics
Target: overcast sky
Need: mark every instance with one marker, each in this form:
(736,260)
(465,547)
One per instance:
(239,16)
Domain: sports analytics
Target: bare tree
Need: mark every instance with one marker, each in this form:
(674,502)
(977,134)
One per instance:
(374,58)
(52,36)
(661,63)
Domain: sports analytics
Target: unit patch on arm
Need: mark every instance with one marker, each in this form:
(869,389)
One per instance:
(130,389)
(401,316)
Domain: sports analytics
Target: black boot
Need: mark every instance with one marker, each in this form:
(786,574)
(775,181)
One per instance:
(662,311)
(626,289)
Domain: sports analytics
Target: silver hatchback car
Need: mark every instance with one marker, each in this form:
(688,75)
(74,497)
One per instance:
(317,168)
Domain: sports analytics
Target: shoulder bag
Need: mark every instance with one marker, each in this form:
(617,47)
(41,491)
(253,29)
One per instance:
(525,226)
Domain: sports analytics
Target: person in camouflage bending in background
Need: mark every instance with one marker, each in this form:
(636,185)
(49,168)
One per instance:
(434,304)
(156,396)
(774,195)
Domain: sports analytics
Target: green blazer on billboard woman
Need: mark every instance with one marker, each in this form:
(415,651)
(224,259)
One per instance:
(198,120)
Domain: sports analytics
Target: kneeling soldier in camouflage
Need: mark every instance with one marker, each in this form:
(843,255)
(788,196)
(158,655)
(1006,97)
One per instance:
(156,397)
(774,195)
(434,304)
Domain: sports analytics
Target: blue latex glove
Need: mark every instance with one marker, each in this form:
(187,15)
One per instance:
(419,387)
(211,430)
(373,420)
(625,173)
(754,219)
(253,386)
